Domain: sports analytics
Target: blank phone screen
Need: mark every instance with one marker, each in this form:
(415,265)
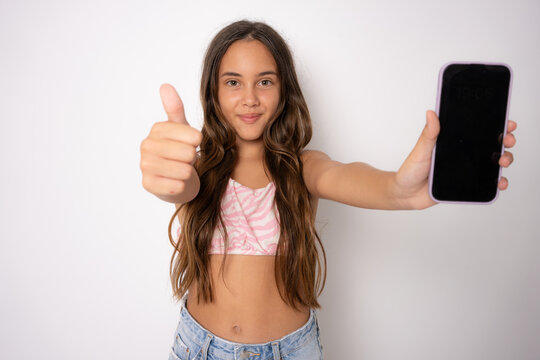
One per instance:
(472,114)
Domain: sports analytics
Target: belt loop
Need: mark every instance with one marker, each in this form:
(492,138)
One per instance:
(275,350)
(205,346)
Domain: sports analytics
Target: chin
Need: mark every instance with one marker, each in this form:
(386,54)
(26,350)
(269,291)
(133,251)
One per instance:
(251,139)
(249,136)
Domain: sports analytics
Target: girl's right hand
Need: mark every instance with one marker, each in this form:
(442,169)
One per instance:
(169,151)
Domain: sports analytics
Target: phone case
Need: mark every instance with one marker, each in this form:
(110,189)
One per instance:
(439,89)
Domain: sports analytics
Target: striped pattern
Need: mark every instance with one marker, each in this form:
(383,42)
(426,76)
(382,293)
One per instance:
(251,219)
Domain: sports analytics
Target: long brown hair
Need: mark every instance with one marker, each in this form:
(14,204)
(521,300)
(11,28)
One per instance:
(297,262)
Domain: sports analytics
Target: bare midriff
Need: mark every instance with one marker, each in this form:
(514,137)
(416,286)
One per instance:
(247,307)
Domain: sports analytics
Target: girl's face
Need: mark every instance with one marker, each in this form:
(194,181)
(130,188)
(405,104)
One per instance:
(249,88)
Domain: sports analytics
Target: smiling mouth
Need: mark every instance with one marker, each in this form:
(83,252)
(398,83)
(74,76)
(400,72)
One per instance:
(249,118)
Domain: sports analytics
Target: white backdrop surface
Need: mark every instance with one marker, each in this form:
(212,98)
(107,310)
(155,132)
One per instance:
(84,250)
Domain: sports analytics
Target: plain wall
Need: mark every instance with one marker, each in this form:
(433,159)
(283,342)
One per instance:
(84,250)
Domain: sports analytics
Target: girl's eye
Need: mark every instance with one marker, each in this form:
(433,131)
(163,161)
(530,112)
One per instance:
(232,82)
(266,82)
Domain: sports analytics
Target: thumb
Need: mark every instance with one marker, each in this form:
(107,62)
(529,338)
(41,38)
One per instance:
(424,147)
(172,104)
(432,128)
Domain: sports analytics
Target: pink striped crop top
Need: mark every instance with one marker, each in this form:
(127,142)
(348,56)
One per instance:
(251,219)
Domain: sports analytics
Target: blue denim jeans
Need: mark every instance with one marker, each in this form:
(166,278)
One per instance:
(193,342)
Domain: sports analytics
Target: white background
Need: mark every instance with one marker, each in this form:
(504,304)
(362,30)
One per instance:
(84,251)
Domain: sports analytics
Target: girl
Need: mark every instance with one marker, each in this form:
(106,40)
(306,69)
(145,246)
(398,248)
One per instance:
(246,266)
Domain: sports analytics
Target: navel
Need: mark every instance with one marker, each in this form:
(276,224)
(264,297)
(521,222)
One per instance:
(236,329)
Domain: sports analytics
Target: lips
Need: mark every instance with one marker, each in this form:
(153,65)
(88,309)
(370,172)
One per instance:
(249,118)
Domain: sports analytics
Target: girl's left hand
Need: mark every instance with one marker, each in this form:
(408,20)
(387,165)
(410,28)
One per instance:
(412,178)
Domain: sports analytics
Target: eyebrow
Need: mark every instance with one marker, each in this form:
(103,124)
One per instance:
(230,73)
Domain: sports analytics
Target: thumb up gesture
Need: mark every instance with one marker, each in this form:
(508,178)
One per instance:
(169,152)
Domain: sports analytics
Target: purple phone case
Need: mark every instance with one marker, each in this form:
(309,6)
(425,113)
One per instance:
(439,89)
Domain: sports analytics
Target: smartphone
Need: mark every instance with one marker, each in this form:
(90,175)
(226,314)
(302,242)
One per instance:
(473,101)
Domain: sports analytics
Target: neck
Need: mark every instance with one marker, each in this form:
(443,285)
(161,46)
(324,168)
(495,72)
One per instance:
(250,150)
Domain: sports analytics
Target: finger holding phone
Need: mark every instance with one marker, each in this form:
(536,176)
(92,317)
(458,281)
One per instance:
(169,152)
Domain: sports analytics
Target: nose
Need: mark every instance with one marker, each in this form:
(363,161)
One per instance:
(250,97)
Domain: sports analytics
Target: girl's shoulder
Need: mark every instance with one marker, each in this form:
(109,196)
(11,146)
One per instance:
(311,153)
(315,163)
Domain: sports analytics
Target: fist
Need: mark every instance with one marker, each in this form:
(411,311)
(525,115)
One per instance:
(169,151)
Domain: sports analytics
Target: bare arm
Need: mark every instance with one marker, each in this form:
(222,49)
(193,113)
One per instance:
(362,185)
(356,184)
